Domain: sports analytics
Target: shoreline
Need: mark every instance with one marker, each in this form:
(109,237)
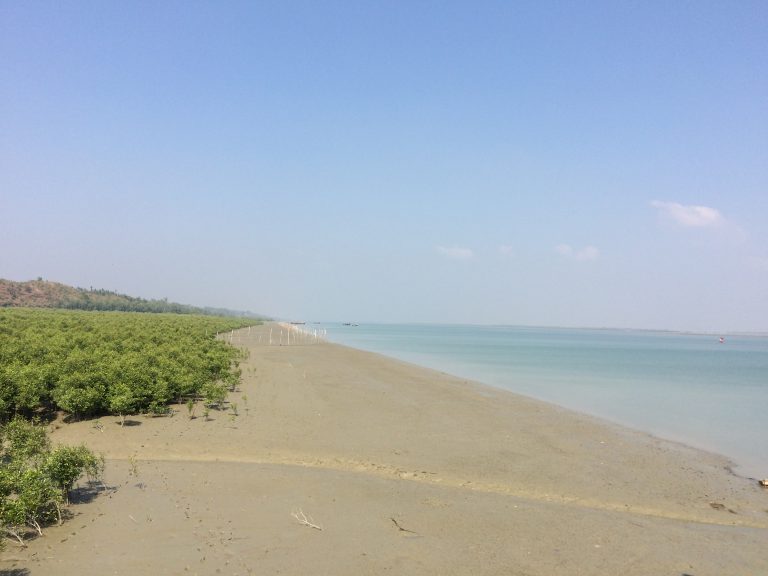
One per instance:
(747,464)
(479,387)
(404,468)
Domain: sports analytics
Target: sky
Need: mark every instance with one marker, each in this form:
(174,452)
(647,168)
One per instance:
(597,164)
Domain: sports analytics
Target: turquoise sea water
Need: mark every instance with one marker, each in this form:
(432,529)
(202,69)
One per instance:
(685,387)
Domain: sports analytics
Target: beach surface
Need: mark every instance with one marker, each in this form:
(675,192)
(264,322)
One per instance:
(342,462)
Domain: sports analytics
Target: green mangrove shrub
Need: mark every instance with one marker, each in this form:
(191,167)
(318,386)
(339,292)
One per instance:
(89,363)
(35,479)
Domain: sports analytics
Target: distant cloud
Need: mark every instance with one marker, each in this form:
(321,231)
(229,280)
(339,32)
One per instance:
(588,253)
(456,253)
(760,263)
(583,255)
(506,251)
(689,216)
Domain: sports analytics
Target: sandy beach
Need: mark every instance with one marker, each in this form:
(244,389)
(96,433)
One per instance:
(400,470)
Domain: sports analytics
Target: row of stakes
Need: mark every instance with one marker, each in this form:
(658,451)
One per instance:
(291,335)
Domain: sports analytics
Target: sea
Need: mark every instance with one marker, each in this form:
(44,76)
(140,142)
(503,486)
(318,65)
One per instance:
(697,389)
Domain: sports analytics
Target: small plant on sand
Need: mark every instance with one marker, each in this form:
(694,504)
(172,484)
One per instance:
(191,408)
(122,401)
(133,466)
(206,413)
(156,410)
(65,464)
(233,379)
(215,394)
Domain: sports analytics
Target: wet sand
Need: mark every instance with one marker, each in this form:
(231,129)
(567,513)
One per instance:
(405,470)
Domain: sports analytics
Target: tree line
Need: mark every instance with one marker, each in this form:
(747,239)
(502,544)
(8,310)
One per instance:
(47,294)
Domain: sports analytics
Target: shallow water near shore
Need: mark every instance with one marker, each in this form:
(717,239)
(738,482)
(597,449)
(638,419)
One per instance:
(689,388)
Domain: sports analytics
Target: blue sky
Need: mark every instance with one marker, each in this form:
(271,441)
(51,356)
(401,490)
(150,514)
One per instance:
(574,164)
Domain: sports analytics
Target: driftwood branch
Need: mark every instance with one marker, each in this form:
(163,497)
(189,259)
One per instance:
(305,520)
(401,528)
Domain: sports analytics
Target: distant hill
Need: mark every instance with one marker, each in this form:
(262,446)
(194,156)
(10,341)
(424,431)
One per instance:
(45,294)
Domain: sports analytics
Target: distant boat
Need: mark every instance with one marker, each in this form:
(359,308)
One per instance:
(722,340)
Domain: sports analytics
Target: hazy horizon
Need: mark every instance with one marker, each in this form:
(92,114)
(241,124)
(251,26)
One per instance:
(539,164)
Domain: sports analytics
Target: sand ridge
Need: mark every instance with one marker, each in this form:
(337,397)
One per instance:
(385,471)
